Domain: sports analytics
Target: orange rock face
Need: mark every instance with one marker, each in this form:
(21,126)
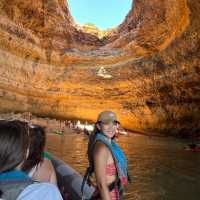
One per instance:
(147,69)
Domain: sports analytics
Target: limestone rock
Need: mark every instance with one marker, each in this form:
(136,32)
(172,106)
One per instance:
(48,64)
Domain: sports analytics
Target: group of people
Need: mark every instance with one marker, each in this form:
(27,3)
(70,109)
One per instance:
(26,170)
(79,127)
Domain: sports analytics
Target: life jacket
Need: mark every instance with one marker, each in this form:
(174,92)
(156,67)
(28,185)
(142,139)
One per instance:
(13,183)
(118,156)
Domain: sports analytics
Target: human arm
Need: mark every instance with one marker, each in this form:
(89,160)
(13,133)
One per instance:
(100,157)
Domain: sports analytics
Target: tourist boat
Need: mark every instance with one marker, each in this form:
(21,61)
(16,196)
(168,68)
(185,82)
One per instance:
(193,149)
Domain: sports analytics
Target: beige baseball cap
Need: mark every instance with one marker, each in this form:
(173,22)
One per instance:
(107,116)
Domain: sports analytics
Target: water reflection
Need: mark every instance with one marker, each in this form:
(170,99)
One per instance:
(160,168)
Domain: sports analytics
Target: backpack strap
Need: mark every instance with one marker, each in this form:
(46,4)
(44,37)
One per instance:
(90,168)
(88,173)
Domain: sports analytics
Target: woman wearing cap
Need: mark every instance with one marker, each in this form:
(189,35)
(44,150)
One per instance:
(106,159)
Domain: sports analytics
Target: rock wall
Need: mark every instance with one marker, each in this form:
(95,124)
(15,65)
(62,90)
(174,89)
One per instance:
(50,66)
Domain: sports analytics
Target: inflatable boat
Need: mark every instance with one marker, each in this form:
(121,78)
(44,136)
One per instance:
(70,181)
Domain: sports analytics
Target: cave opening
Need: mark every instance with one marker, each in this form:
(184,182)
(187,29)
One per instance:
(101,15)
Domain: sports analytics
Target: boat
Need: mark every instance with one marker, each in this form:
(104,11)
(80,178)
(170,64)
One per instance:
(192,147)
(196,149)
(70,181)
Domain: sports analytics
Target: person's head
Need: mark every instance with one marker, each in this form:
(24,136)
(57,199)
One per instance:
(37,140)
(107,123)
(13,144)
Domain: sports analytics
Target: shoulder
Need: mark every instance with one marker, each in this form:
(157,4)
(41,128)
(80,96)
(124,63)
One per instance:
(100,149)
(46,163)
(44,167)
(39,191)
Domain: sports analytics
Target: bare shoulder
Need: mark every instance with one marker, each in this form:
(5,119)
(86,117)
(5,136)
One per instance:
(100,150)
(45,172)
(46,163)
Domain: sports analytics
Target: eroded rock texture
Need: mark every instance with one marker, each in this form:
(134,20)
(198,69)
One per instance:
(147,69)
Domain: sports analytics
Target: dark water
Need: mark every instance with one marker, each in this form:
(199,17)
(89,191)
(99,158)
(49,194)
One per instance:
(159,167)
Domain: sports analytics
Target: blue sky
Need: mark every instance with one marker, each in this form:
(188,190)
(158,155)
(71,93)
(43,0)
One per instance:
(103,13)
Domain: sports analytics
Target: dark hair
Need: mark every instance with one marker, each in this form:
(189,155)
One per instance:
(37,140)
(13,144)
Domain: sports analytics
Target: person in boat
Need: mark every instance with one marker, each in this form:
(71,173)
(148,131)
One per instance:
(86,132)
(106,159)
(193,146)
(14,183)
(38,165)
